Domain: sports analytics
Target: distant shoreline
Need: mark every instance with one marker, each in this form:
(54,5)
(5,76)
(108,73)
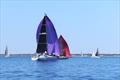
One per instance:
(84,55)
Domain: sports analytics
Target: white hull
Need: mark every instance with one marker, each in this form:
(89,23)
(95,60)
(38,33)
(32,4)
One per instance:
(7,55)
(34,58)
(43,57)
(95,56)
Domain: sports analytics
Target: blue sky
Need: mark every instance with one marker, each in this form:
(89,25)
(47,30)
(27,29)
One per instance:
(85,24)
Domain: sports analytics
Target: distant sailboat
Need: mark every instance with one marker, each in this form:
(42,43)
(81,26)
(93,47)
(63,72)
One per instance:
(6,52)
(82,54)
(65,52)
(47,41)
(95,55)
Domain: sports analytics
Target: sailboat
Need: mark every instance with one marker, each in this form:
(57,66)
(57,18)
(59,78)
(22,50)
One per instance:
(65,52)
(95,55)
(82,55)
(6,52)
(47,41)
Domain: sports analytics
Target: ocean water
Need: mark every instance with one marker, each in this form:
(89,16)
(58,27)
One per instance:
(76,68)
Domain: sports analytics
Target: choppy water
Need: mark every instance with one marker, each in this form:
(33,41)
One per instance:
(76,68)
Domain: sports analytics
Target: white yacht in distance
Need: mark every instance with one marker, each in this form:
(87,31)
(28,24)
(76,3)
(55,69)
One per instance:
(6,52)
(82,55)
(95,55)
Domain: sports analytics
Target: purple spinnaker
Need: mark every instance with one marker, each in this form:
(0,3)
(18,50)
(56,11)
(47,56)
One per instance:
(53,46)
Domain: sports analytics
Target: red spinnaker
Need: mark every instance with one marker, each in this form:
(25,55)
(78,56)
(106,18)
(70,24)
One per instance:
(64,47)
